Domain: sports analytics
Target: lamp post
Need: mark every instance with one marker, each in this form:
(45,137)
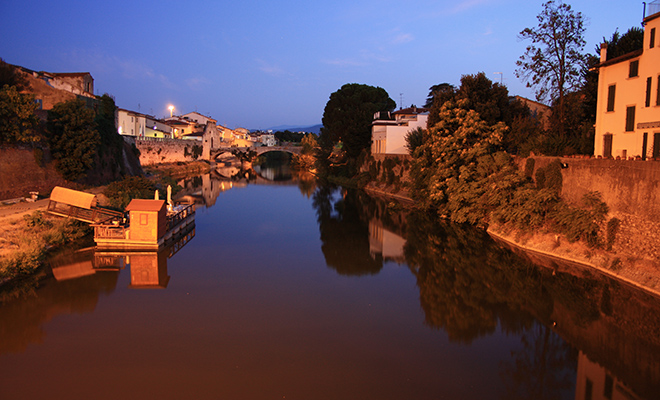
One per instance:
(171,108)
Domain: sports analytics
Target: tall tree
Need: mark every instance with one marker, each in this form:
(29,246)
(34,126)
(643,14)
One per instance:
(73,138)
(439,94)
(553,63)
(348,115)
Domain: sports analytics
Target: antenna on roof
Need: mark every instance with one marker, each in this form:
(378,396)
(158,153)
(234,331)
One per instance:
(501,76)
(400,101)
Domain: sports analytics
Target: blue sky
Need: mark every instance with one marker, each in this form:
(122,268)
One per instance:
(258,64)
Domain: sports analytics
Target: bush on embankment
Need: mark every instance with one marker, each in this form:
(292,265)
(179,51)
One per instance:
(461,173)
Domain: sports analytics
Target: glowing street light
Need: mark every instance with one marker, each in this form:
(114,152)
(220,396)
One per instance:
(171,108)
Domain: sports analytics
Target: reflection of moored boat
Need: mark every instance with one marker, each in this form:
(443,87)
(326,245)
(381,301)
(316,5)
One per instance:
(148,267)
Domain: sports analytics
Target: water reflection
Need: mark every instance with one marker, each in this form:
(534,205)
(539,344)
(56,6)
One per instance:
(470,287)
(203,190)
(567,332)
(80,278)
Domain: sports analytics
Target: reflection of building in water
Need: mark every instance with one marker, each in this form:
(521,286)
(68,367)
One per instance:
(596,383)
(203,190)
(386,243)
(148,268)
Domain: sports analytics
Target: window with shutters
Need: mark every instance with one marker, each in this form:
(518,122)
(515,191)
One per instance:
(630,119)
(611,91)
(633,71)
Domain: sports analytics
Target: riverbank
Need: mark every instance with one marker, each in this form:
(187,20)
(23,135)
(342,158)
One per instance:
(28,234)
(625,262)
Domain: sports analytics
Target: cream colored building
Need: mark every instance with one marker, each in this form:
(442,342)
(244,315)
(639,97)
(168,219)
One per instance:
(388,136)
(628,109)
(131,123)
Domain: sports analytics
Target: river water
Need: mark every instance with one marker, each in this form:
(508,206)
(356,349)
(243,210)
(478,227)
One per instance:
(291,290)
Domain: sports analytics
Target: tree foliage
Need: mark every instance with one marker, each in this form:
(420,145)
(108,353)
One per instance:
(110,140)
(457,153)
(73,138)
(17,120)
(348,115)
(619,45)
(553,63)
(491,101)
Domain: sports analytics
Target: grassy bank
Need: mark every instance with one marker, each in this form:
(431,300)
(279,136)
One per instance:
(25,242)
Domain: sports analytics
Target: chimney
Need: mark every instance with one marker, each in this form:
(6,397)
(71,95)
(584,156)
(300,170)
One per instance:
(603,52)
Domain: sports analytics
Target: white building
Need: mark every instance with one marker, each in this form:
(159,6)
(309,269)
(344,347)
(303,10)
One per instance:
(628,108)
(131,123)
(388,136)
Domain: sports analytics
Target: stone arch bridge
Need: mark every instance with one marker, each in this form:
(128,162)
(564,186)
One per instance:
(260,150)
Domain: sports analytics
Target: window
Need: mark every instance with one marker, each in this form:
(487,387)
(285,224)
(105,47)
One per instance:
(610,97)
(634,69)
(657,95)
(588,390)
(609,387)
(630,119)
(652,40)
(649,80)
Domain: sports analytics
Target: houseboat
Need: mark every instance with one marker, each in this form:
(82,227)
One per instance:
(145,224)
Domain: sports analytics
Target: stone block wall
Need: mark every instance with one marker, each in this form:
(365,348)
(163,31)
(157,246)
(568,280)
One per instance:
(627,186)
(157,151)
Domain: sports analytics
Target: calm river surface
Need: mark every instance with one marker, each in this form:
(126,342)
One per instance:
(296,291)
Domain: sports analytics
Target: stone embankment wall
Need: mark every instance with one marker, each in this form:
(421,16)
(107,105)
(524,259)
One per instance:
(626,186)
(157,151)
(630,188)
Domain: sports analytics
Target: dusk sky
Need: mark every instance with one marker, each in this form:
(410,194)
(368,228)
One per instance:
(259,64)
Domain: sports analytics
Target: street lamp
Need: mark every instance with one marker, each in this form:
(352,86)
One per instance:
(171,108)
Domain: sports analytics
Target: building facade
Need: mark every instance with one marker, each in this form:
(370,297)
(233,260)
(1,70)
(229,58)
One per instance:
(628,106)
(131,123)
(388,136)
(50,88)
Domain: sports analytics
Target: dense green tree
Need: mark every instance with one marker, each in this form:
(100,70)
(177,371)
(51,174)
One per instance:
(17,120)
(110,140)
(288,136)
(450,168)
(348,115)
(553,63)
(619,45)
(73,138)
(439,93)
(493,104)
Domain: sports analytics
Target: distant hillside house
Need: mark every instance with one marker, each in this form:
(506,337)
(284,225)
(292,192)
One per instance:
(49,88)
(628,106)
(131,123)
(388,132)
